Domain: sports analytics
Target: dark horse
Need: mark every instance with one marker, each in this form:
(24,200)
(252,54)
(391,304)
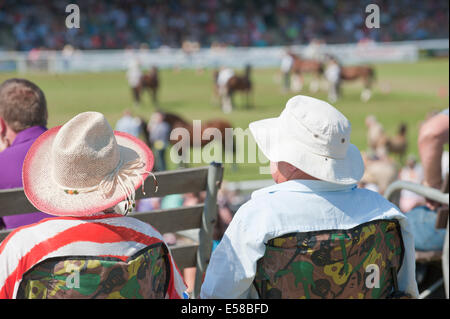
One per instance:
(237,83)
(301,66)
(149,82)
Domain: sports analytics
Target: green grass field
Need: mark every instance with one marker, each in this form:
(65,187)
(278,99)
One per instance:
(404,92)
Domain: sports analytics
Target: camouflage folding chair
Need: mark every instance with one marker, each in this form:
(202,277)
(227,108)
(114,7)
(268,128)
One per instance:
(360,263)
(144,275)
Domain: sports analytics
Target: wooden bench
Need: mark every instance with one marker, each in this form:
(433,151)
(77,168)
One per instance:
(203,216)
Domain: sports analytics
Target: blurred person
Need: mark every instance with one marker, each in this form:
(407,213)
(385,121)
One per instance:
(225,215)
(148,204)
(412,172)
(224,75)
(433,135)
(315,168)
(129,124)
(314,50)
(159,138)
(67,56)
(191,199)
(23,118)
(285,67)
(169,202)
(85,175)
(268,24)
(333,76)
(134,75)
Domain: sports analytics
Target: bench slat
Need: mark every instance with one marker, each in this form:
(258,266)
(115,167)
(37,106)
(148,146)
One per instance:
(172,220)
(184,255)
(164,220)
(175,182)
(14,201)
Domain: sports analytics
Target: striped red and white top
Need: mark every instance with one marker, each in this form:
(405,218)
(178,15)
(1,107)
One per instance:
(101,235)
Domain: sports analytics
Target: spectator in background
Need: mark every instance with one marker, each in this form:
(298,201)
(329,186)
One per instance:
(225,215)
(225,74)
(333,76)
(191,199)
(286,65)
(129,124)
(170,23)
(23,118)
(134,79)
(433,135)
(159,139)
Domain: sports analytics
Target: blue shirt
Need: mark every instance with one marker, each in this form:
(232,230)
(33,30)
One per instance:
(129,124)
(296,206)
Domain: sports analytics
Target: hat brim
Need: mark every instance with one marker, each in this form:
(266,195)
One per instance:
(277,147)
(48,197)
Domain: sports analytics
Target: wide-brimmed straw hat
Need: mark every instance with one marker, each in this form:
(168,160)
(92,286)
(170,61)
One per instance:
(84,167)
(313,136)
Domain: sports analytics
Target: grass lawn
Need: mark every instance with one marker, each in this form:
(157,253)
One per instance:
(403,92)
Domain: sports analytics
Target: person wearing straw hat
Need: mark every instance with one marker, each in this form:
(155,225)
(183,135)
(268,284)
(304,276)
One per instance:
(85,174)
(316,169)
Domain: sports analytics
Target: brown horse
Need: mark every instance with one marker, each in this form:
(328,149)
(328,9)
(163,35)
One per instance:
(301,66)
(176,121)
(149,82)
(365,73)
(237,83)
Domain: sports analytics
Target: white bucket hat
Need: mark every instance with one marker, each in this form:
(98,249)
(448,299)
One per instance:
(84,167)
(313,136)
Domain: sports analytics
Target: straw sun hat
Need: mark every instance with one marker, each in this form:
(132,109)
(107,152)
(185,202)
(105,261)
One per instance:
(84,167)
(313,136)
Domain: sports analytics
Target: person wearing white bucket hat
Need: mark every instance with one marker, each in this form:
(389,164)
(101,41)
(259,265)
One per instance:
(84,173)
(316,169)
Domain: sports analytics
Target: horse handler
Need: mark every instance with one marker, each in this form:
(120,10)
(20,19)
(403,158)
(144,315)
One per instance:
(316,170)
(86,174)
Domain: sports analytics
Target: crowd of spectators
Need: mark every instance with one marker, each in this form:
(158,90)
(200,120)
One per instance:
(118,24)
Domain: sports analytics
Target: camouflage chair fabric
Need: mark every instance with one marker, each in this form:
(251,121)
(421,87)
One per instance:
(144,275)
(360,263)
